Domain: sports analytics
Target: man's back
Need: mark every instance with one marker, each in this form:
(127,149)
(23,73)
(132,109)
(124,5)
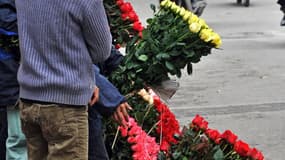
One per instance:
(59,41)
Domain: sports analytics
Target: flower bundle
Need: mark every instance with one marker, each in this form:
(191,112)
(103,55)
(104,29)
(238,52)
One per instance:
(167,127)
(206,142)
(173,39)
(123,20)
(143,146)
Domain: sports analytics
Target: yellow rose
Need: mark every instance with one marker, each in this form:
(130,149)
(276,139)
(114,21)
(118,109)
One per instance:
(174,7)
(187,16)
(216,40)
(205,35)
(169,4)
(218,44)
(178,9)
(182,12)
(193,19)
(202,22)
(163,3)
(195,27)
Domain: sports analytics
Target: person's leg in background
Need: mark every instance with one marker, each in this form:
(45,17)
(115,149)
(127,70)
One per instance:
(282,8)
(198,6)
(3,132)
(96,149)
(16,141)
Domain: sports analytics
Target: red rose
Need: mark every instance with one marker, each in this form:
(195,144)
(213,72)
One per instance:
(229,136)
(124,16)
(133,16)
(140,34)
(255,154)
(117,46)
(241,148)
(126,7)
(120,2)
(137,26)
(214,135)
(164,146)
(204,125)
(200,122)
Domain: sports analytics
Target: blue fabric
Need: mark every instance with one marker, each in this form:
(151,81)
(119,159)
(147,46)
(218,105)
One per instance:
(16,141)
(112,62)
(109,96)
(3,132)
(7,33)
(9,88)
(109,99)
(8,16)
(97,149)
(4,55)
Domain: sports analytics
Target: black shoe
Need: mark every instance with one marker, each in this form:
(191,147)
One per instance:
(283,21)
(198,7)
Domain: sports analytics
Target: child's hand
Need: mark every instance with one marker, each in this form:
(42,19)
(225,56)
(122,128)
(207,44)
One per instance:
(121,114)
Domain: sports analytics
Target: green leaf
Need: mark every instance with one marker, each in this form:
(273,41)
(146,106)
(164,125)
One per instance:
(149,20)
(143,57)
(219,155)
(176,155)
(152,6)
(190,54)
(162,56)
(169,66)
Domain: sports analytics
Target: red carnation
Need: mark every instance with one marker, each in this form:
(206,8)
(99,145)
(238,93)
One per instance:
(229,136)
(241,148)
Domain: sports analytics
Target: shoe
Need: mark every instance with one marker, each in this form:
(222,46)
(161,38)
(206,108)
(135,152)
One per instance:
(283,21)
(198,7)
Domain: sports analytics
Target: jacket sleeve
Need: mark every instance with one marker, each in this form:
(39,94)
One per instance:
(97,31)
(8,16)
(109,96)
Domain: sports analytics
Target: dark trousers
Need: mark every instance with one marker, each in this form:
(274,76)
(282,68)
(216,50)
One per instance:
(282,4)
(3,132)
(97,149)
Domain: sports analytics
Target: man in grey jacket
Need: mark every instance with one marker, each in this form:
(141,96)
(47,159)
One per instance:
(59,42)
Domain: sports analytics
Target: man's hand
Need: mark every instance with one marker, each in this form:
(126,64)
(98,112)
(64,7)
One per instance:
(95,96)
(121,114)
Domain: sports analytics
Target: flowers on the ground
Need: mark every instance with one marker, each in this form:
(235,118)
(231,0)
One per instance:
(173,39)
(202,142)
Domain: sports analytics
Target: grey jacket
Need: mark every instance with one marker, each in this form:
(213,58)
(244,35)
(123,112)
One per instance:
(59,42)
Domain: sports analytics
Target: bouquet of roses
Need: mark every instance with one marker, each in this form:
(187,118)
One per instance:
(173,39)
(123,20)
(200,142)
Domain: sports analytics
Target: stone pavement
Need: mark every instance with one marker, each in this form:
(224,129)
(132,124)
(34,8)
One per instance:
(242,86)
